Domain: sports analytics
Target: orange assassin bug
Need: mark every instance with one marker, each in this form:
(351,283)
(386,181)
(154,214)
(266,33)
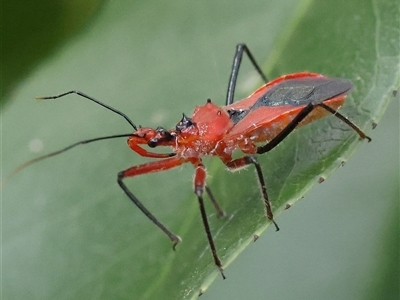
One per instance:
(254,125)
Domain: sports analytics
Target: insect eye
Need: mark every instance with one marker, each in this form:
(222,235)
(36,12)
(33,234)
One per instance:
(152,143)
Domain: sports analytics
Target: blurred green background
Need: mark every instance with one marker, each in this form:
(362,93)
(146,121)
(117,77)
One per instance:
(69,232)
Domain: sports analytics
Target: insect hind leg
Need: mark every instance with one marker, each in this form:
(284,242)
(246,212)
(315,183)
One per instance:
(300,117)
(345,120)
(237,60)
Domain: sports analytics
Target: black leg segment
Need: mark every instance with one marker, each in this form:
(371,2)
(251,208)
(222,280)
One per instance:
(240,49)
(221,213)
(217,261)
(247,160)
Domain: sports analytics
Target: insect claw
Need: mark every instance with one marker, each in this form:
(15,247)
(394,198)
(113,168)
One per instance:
(221,214)
(363,137)
(222,272)
(176,240)
(276,225)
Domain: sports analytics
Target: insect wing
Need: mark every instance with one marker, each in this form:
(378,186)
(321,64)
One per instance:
(279,103)
(301,91)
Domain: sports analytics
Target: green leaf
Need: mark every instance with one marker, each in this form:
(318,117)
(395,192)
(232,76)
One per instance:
(70,232)
(32,30)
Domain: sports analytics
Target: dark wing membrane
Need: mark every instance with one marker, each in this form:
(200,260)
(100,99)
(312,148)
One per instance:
(298,92)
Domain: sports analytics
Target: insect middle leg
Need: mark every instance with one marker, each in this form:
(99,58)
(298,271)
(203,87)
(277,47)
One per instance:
(199,185)
(221,213)
(247,160)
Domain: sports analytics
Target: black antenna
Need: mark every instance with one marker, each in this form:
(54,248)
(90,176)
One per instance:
(37,159)
(32,161)
(91,99)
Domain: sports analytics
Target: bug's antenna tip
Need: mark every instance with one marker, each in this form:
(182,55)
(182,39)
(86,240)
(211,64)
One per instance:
(7,178)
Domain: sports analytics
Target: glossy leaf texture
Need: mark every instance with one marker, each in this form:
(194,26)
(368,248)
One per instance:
(31,31)
(70,232)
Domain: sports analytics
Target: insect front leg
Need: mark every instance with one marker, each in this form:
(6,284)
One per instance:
(247,160)
(199,185)
(151,167)
(143,152)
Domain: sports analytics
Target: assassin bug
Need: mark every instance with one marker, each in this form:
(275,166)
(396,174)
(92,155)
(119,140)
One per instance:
(254,125)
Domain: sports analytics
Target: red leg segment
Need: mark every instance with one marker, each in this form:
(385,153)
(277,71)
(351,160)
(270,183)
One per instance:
(154,166)
(143,152)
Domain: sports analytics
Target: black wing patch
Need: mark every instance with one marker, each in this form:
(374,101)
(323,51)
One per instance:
(237,115)
(298,92)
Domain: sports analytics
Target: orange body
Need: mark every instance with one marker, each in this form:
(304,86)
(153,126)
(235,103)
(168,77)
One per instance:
(213,131)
